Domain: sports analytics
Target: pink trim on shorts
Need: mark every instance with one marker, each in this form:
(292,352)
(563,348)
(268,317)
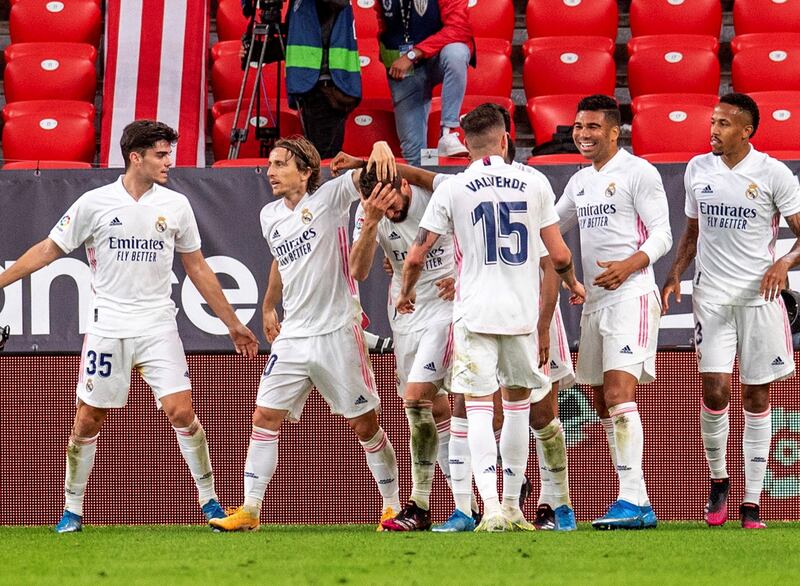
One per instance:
(362,359)
(642,235)
(90,254)
(264,436)
(458,256)
(344,254)
(644,325)
(448,348)
(379,447)
(562,343)
(703,407)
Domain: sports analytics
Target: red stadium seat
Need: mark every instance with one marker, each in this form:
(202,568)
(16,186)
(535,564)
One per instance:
(676,157)
(226,78)
(558,159)
(558,18)
(658,17)
(60,137)
(705,42)
(763,69)
(639,103)
(50,50)
(49,108)
(548,112)
(569,43)
(492,45)
(766,16)
(764,41)
(32,77)
(582,71)
(221,134)
(73,21)
(366,19)
(492,76)
(780,121)
(248,162)
(365,126)
(225,106)
(374,82)
(492,18)
(683,130)
(225,48)
(671,70)
(231,24)
(46,164)
(469,103)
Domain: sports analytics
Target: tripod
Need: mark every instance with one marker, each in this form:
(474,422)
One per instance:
(264,35)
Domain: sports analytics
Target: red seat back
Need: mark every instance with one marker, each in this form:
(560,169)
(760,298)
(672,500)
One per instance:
(556,18)
(670,70)
(582,71)
(656,17)
(227,74)
(779,126)
(32,77)
(49,50)
(766,16)
(49,108)
(672,129)
(468,104)
(367,125)
(547,112)
(62,137)
(762,69)
(75,21)
(491,18)
(250,148)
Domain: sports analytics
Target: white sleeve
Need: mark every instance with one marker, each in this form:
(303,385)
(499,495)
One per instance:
(343,190)
(650,203)
(690,205)
(438,216)
(188,237)
(439,179)
(74,227)
(566,210)
(786,191)
(549,215)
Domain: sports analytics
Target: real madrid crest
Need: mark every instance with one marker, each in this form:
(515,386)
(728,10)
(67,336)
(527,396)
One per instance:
(89,385)
(306,216)
(752,191)
(161,224)
(611,189)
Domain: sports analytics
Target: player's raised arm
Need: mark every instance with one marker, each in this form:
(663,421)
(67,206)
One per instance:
(412,267)
(687,249)
(272,296)
(207,284)
(37,256)
(365,237)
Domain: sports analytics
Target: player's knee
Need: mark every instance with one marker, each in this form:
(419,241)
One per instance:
(270,419)
(541,414)
(441,408)
(716,391)
(755,398)
(365,426)
(88,420)
(180,415)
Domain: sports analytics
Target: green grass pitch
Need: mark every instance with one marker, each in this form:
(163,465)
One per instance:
(675,553)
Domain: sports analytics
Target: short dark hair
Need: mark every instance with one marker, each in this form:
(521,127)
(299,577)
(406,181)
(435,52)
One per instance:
(602,103)
(306,157)
(512,148)
(482,119)
(369,179)
(140,135)
(746,104)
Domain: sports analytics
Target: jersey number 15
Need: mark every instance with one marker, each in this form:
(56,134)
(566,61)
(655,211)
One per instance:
(495,219)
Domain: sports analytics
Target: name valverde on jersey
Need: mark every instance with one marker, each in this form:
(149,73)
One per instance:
(130,246)
(620,209)
(311,246)
(495,213)
(738,212)
(395,239)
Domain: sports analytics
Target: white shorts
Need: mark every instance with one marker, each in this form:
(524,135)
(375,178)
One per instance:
(623,336)
(559,367)
(337,364)
(759,334)
(484,361)
(424,356)
(106,363)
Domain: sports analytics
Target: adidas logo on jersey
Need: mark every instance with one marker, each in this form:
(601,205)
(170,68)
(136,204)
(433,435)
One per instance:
(490,470)
(707,189)
(777,362)
(626,350)
(508,472)
(115,222)
(361,400)
(430,366)
(394,236)
(553,364)
(579,194)
(276,234)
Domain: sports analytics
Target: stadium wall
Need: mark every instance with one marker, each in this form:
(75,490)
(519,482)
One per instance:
(322,476)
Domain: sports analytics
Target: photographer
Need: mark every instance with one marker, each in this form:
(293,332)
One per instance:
(324,86)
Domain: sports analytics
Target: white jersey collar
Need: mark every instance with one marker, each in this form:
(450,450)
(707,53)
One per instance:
(492,161)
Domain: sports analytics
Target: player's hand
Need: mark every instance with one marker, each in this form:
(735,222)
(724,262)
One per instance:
(578,293)
(342,162)
(405,304)
(401,67)
(672,285)
(244,340)
(544,344)
(272,326)
(387,267)
(383,159)
(383,196)
(614,275)
(774,280)
(447,288)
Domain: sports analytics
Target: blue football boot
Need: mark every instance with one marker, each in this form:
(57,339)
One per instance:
(457,522)
(69,523)
(213,510)
(621,515)
(649,520)
(565,519)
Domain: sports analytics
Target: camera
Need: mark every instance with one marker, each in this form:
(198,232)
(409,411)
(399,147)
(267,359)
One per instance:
(265,26)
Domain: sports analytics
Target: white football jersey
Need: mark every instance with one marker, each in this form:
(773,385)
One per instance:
(130,246)
(620,209)
(495,213)
(738,211)
(312,247)
(395,239)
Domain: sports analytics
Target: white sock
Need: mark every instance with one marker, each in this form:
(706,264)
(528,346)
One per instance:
(514,448)
(423,445)
(483,449)
(497,434)
(382,463)
(551,449)
(629,439)
(714,427)
(608,426)
(755,446)
(460,465)
(443,450)
(80,461)
(194,448)
(262,460)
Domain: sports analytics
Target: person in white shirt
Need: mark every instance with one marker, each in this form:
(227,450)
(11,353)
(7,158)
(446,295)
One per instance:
(320,342)
(620,206)
(132,228)
(735,197)
(496,214)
